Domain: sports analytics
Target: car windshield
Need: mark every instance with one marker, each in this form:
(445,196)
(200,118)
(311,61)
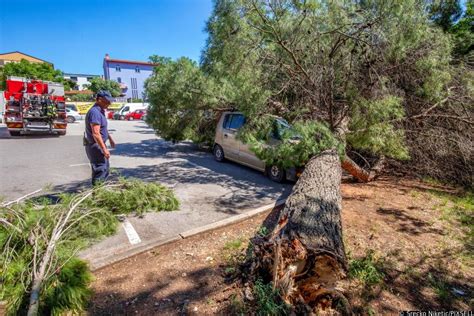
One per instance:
(282,127)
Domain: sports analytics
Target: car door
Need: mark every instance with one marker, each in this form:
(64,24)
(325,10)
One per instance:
(230,143)
(247,157)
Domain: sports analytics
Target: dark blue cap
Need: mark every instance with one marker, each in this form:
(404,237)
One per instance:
(105,94)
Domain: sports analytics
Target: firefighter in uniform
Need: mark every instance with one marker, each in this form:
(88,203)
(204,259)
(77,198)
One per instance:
(95,137)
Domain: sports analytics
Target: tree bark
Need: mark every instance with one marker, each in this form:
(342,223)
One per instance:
(304,256)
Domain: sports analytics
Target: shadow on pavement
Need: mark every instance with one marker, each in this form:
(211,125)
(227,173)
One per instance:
(188,165)
(227,187)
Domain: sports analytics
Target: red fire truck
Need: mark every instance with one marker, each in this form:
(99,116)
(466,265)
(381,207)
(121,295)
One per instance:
(34,106)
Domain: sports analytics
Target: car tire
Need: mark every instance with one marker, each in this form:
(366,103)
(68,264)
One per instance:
(70,119)
(218,153)
(276,173)
(130,118)
(122,117)
(15,133)
(62,133)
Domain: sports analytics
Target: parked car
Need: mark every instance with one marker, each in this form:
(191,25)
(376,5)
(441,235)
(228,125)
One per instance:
(127,108)
(72,107)
(227,146)
(110,114)
(135,115)
(72,116)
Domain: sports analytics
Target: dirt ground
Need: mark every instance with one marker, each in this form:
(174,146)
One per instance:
(419,252)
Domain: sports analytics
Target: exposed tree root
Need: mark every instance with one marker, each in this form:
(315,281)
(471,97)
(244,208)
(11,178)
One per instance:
(304,256)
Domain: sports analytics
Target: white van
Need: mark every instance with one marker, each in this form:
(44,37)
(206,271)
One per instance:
(127,108)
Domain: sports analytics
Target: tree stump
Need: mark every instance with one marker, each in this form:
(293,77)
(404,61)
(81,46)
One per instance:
(304,257)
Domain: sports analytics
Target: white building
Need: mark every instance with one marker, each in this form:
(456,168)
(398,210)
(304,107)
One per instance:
(80,80)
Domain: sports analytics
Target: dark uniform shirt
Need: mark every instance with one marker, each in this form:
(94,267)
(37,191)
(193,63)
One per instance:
(96,116)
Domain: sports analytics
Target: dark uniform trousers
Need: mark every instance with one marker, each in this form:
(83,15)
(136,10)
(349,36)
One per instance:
(99,164)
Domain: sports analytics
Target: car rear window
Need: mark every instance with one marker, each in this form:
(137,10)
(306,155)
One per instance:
(234,121)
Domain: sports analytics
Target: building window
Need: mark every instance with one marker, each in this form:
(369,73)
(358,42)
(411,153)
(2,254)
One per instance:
(119,80)
(133,81)
(74,78)
(135,94)
(137,69)
(89,78)
(117,68)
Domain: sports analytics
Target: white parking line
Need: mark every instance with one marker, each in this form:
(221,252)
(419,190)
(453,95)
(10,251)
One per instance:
(191,163)
(132,234)
(21,198)
(80,164)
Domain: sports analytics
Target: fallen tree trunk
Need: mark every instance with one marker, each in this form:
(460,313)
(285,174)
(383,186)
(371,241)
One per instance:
(359,173)
(304,256)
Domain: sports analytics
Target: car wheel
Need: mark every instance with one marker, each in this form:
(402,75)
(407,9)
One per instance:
(276,173)
(62,133)
(218,153)
(122,117)
(70,119)
(15,133)
(130,118)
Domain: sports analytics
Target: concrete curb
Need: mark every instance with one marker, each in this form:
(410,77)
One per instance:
(109,260)
(231,220)
(132,252)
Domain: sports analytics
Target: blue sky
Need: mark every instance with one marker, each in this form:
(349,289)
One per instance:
(75,35)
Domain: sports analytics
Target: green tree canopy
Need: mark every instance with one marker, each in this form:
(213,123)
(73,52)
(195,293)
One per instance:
(179,96)
(455,19)
(354,72)
(97,84)
(69,84)
(26,69)
(445,13)
(463,31)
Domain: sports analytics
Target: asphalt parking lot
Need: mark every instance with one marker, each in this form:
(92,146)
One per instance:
(208,191)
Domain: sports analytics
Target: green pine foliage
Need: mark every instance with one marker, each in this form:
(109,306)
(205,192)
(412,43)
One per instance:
(289,146)
(135,196)
(371,128)
(67,286)
(17,255)
(69,290)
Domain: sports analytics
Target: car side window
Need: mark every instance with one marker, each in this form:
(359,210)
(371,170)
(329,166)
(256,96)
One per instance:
(237,121)
(233,121)
(126,108)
